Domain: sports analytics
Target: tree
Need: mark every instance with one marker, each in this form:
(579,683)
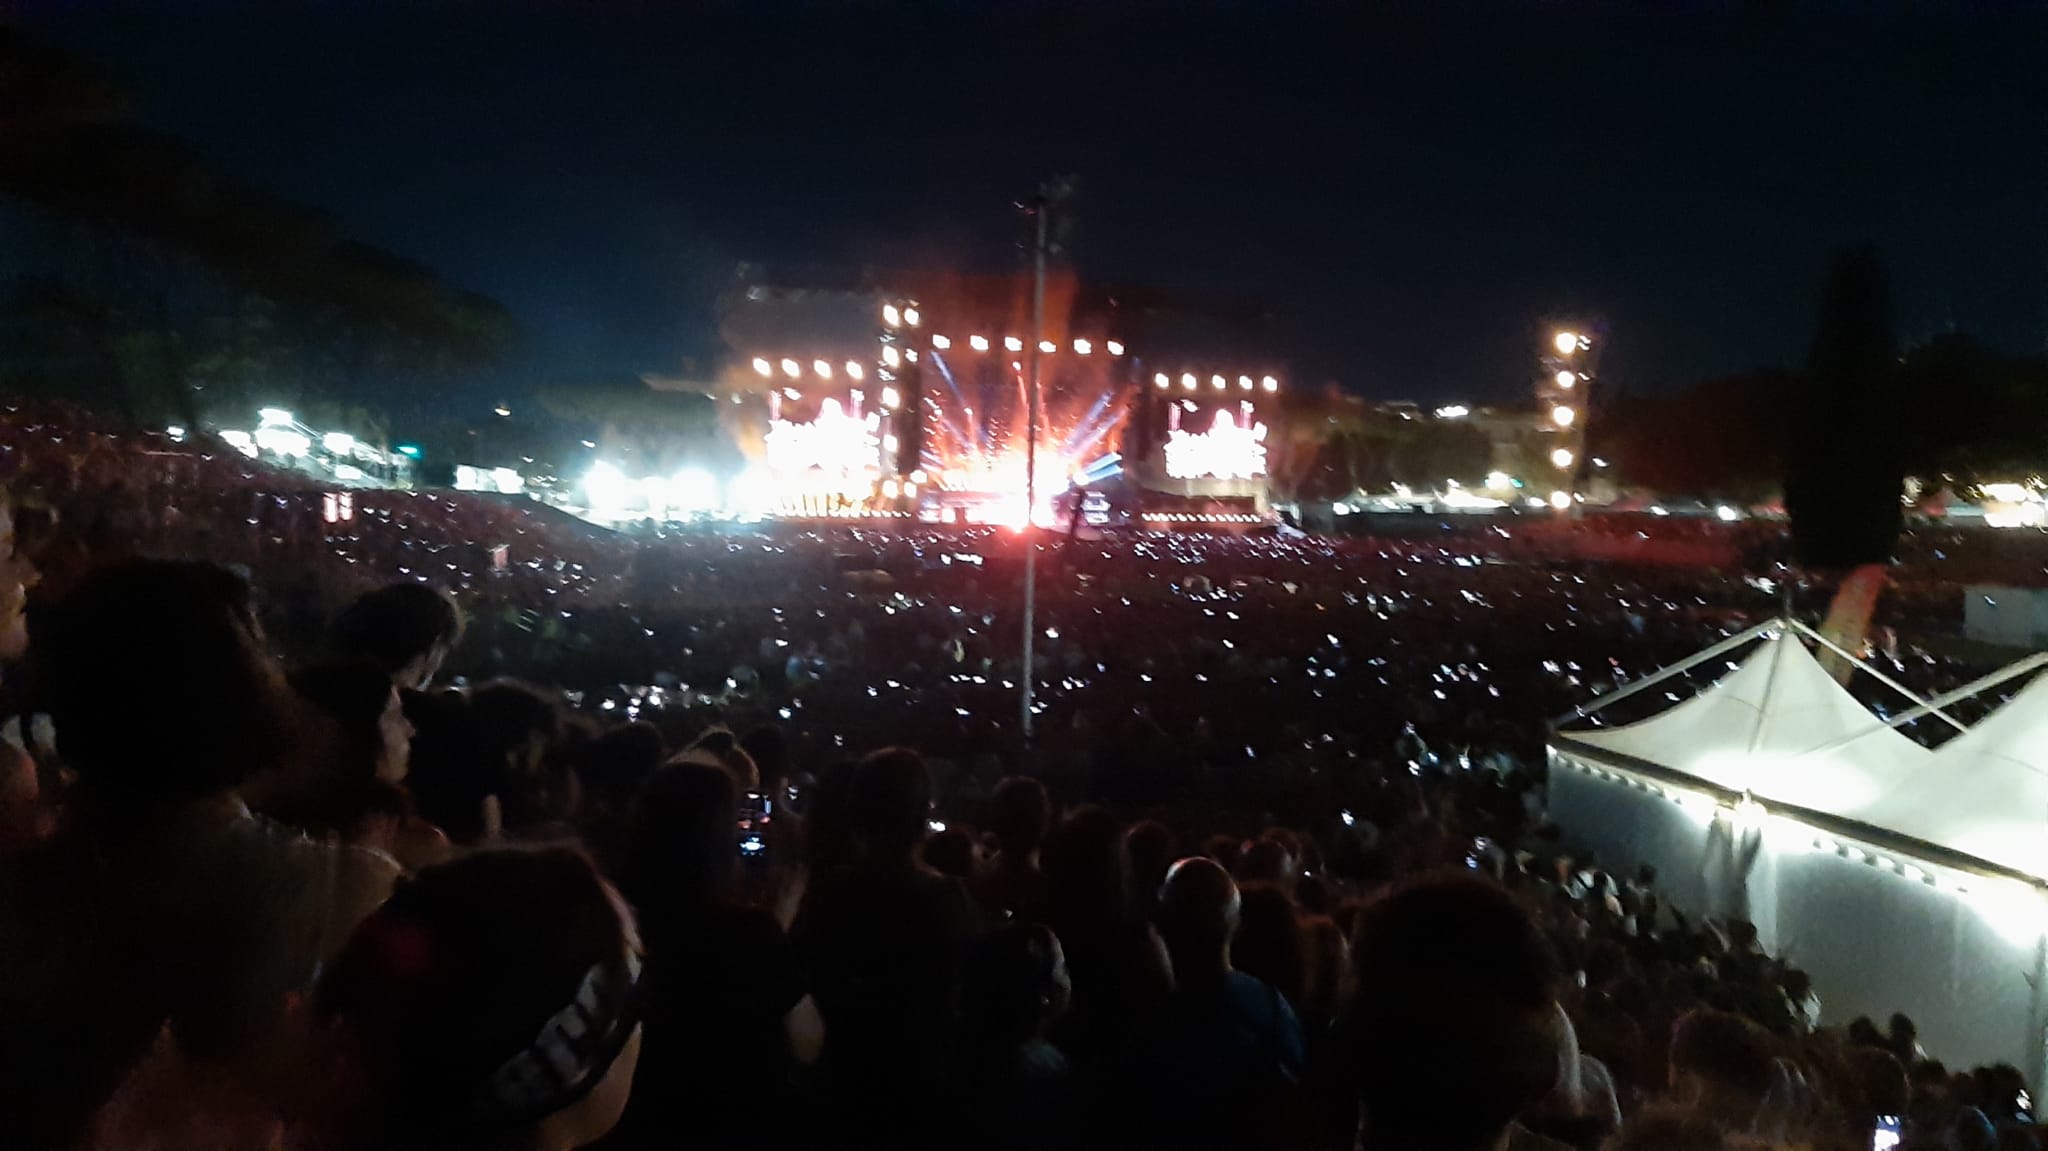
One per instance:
(1846,469)
(1846,465)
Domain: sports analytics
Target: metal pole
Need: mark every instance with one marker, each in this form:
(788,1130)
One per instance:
(1043,207)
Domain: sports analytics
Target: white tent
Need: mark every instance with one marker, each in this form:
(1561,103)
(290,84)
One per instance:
(1903,879)
(1986,795)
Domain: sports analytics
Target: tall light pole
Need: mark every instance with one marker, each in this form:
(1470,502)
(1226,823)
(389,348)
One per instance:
(1040,206)
(1564,392)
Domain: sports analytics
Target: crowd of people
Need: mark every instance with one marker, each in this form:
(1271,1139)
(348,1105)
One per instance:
(730,840)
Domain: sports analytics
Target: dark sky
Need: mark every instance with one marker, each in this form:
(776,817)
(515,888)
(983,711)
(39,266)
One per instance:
(1410,188)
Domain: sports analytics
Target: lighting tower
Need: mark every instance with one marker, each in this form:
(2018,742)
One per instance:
(1564,401)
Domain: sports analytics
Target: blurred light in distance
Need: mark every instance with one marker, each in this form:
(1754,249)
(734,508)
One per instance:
(792,369)
(1218,382)
(1245,382)
(1270,384)
(890,398)
(1013,343)
(1562,457)
(1563,416)
(910,316)
(854,371)
(1566,343)
(978,343)
(941,343)
(1499,480)
(891,316)
(1161,380)
(1453,412)
(338,443)
(1560,500)
(891,356)
(763,367)
(1187,380)
(1047,347)
(1114,347)
(1083,347)
(1566,379)
(273,417)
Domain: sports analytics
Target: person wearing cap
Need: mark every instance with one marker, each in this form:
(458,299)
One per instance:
(491,1004)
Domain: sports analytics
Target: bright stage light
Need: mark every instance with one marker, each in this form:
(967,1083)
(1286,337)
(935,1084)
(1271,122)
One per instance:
(1566,343)
(1562,457)
(910,316)
(854,371)
(1566,379)
(891,356)
(1160,380)
(1083,347)
(1114,348)
(763,367)
(1225,451)
(1218,382)
(891,316)
(1269,383)
(792,369)
(1047,347)
(1187,380)
(1560,500)
(941,343)
(890,398)
(978,343)
(1563,416)
(1245,382)
(607,490)
(283,441)
(1012,343)
(823,369)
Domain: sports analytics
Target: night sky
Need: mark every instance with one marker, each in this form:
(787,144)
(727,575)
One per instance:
(1411,191)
